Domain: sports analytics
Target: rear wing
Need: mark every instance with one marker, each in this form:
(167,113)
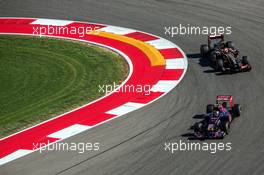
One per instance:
(216,37)
(226,98)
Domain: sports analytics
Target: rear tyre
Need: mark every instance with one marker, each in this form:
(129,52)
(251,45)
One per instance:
(213,56)
(230,44)
(237,110)
(204,50)
(209,108)
(220,65)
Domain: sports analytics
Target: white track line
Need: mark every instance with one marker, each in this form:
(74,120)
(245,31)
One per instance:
(125,108)
(69,131)
(15,155)
(117,30)
(52,22)
(161,44)
(164,86)
(177,63)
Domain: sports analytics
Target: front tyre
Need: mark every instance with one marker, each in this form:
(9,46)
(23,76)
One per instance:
(226,127)
(245,60)
(237,110)
(213,56)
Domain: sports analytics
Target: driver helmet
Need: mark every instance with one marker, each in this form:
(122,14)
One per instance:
(224,104)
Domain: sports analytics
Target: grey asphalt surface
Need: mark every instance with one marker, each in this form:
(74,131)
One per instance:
(134,143)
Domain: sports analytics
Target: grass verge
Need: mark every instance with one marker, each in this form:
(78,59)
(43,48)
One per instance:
(41,78)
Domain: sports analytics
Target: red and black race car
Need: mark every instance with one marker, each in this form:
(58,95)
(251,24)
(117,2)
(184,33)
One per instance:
(218,118)
(223,55)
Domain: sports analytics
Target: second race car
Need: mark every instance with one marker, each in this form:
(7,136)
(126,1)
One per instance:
(224,56)
(218,118)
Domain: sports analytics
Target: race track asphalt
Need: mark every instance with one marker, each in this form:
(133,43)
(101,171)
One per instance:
(134,143)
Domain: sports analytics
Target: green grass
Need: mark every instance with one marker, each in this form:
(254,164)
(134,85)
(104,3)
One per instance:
(41,78)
